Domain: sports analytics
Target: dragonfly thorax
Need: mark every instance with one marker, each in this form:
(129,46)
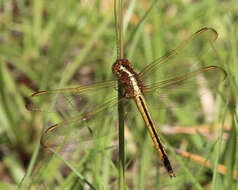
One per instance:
(127,77)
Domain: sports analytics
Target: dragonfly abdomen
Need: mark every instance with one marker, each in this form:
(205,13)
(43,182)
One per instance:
(142,107)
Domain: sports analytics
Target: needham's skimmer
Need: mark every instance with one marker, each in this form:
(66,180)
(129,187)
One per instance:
(183,76)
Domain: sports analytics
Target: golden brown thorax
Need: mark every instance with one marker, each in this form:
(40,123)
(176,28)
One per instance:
(128,78)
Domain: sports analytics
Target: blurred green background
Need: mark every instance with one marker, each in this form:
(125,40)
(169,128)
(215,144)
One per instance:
(51,44)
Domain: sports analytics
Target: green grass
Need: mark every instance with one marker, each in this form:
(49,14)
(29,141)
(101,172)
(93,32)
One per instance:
(54,44)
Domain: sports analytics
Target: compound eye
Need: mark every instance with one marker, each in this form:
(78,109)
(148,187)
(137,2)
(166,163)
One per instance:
(126,63)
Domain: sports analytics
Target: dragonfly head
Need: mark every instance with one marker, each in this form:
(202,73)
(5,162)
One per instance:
(119,66)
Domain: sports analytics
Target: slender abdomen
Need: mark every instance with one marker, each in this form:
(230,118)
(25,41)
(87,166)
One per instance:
(142,107)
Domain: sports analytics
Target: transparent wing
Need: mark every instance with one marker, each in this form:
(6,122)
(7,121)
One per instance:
(183,80)
(43,100)
(81,124)
(68,110)
(78,128)
(189,55)
(196,90)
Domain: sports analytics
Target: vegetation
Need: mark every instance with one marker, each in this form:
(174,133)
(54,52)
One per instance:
(57,44)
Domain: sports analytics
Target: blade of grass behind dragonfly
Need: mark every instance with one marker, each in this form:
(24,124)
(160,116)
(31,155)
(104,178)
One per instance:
(103,155)
(229,154)
(142,20)
(6,106)
(103,148)
(128,15)
(133,39)
(218,147)
(58,47)
(11,120)
(230,61)
(86,51)
(74,170)
(146,164)
(89,155)
(32,164)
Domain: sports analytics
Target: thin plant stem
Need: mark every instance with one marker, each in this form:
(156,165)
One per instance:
(121,29)
(119,41)
(121,142)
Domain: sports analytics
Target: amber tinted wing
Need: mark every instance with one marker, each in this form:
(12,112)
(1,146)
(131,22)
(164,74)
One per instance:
(185,58)
(68,110)
(187,76)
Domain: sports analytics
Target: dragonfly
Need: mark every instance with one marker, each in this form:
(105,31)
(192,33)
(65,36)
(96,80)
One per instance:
(135,87)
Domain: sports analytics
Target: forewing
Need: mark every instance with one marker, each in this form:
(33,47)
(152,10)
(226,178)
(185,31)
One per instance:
(69,98)
(191,54)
